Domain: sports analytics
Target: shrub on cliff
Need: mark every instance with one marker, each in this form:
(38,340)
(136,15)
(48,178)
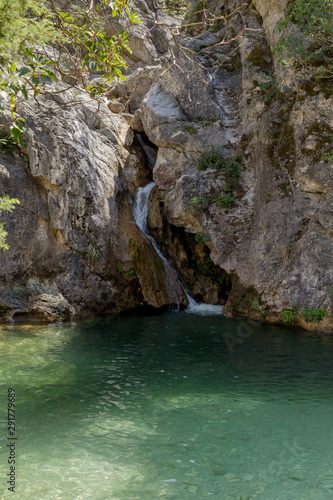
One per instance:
(41,43)
(306,39)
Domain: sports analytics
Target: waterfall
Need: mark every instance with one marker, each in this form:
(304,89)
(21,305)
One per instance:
(140,214)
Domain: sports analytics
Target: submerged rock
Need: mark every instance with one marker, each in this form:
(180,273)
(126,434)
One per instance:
(220,470)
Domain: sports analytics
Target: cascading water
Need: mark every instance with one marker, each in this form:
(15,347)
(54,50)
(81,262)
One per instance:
(140,214)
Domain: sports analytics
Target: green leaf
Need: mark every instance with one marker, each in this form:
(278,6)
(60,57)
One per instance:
(12,67)
(35,80)
(46,78)
(52,75)
(14,87)
(20,126)
(24,92)
(24,71)
(16,132)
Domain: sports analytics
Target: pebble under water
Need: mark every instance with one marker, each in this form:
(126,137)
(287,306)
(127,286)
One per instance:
(142,407)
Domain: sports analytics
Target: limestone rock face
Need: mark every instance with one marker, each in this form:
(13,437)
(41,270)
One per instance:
(73,240)
(267,249)
(275,240)
(271,11)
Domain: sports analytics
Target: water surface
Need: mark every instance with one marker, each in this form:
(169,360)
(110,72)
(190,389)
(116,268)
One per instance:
(146,407)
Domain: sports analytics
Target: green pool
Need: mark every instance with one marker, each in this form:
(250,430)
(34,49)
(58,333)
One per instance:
(168,406)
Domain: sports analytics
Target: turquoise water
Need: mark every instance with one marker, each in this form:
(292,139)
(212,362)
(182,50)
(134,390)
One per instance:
(149,407)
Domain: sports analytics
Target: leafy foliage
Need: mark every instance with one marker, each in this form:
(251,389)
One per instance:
(226,198)
(327,157)
(230,167)
(8,143)
(289,315)
(255,305)
(214,158)
(7,204)
(202,239)
(78,46)
(309,315)
(306,36)
(313,315)
(199,203)
(23,24)
(269,89)
(131,273)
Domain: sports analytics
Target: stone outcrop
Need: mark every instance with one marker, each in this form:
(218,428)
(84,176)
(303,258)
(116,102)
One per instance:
(275,241)
(74,246)
(268,250)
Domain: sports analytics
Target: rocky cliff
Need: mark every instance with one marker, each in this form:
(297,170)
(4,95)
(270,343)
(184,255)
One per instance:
(243,201)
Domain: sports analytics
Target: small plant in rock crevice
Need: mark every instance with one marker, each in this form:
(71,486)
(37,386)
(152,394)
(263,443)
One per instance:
(225,199)
(130,274)
(8,143)
(314,315)
(93,253)
(198,204)
(269,89)
(214,158)
(290,247)
(255,305)
(7,204)
(290,315)
(190,129)
(194,16)
(327,157)
(202,239)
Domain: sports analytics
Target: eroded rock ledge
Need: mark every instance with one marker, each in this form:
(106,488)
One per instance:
(74,246)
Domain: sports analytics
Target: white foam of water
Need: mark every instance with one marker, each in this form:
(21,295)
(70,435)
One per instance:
(140,214)
(202,309)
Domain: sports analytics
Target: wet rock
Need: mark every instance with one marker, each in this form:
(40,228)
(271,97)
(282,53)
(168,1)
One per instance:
(231,478)
(247,477)
(296,475)
(220,470)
